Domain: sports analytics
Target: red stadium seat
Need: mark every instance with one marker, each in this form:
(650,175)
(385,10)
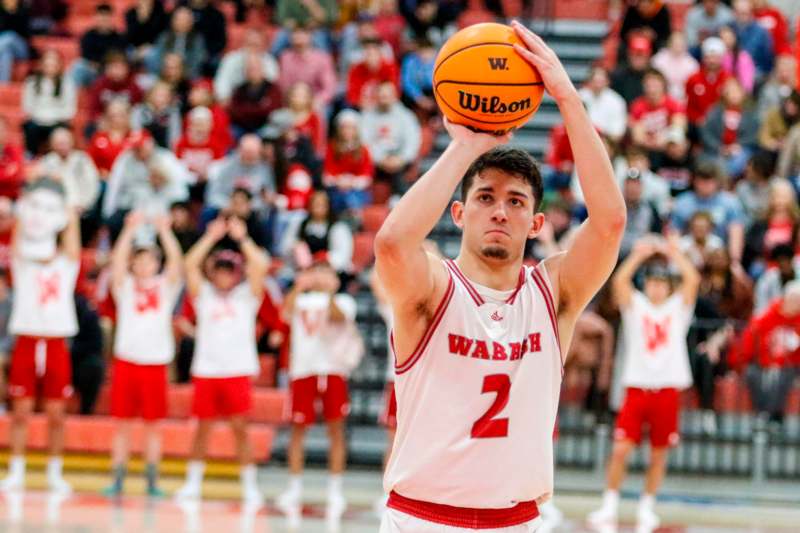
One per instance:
(381,192)
(69,48)
(11,95)
(362,250)
(372,217)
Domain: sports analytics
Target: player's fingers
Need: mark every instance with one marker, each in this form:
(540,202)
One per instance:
(527,36)
(537,60)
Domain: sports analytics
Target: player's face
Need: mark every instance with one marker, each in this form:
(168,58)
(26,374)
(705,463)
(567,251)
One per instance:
(144,265)
(224,279)
(656,289)
(497,217)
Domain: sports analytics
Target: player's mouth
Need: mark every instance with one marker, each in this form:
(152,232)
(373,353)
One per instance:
(498,232)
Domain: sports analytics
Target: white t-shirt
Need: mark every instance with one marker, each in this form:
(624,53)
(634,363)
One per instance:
(144,320)
(44,297)
(655,343)
(225,345)
(312,335)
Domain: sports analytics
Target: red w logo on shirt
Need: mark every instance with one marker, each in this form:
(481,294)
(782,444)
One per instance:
(48,287)
(656,333)
(147,299)
(223,311)
(312,321)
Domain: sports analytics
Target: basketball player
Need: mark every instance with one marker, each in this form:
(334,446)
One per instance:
(478,340)
(315,310)
(42,318)
(654,327)
(225,355)
(144,345)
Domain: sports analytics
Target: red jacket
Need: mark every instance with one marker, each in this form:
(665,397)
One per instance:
(771,339)
(362,83)
(104,90)
(774,22)
(560,150)
(346,171)
(702,92)
(12,170)
(104,151)
(198,156)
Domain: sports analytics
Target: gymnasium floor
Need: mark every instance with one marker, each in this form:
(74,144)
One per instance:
(88,512)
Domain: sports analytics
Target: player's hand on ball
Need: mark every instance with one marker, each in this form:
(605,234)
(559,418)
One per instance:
(537,53)
(475,139)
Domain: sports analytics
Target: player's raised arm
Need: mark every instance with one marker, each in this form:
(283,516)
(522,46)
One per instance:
(587,264)
(215,230)
(173,264)
(121,254)
(256,260)
(690,277)
(402,264)
(622,283)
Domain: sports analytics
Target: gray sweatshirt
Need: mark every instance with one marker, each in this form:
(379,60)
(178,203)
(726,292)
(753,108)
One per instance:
(394,132)
(230,173)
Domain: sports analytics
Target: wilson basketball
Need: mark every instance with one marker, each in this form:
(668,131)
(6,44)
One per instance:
(480,81)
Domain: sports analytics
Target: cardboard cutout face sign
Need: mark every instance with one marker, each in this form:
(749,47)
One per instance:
(42,214)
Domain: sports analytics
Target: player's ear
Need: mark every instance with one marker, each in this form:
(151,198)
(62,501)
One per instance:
(536,225)
(457,212)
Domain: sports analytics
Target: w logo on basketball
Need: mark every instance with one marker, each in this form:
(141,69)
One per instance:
(656,333)
(498,63)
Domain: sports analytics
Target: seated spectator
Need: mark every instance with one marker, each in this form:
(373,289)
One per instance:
(241,207)
(181,38)
(12,164)
(773,20)
(243,168)
(737,61)
(643,217)
(102,39)
(49,99)
(725,287)
(183,226)
(210,23)
(676,162)
(111,138)
(319,232)
(159,115)
(116,83)
(606,108)
(777,123)
(627,79)
(290,14)
(708,195)
(677,65)
(779,85)
(392,135)
(8,221)
(752,37)
(314,66)
(197,148)
(431,19)
(730,131)
(770,285)
(348,171)
(174,73)
(365,76)
(778,226)
(789,158)
(202,95)
(351,50)
(416,77)
(649,18)
(145,178)
(305,120)
(254,100)
(754,190)
(231,71)
(655,189)
(144,22)
(74,169)
(699,240)
(704,19)
(770,349)
(703,88)
(652,114)
(560,159)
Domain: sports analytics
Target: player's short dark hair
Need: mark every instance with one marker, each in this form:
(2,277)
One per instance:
(514,161)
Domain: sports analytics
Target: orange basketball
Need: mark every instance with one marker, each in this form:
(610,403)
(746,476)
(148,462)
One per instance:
(479,80)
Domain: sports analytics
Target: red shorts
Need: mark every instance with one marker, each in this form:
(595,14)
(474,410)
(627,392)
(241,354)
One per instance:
(388,417)
(331,390)
(657,408)
(138,390)
(40,367)
(221,397)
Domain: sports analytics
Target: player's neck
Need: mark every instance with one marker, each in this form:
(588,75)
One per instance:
(500,275)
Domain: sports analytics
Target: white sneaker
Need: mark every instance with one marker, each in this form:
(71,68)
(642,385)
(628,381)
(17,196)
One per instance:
(188,492)
(289,504)
(647,520)
(12,483)
(334,511)
(252,498)
(602,517)
(60,486)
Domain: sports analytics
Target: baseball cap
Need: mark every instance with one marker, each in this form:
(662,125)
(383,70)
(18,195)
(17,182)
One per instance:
(639,44)
(713,46)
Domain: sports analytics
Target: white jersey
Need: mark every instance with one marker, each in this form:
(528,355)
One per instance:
(226,332)
(144,320)
(311,343)
(477,400)
(44,297)
(655,343)
(385,310)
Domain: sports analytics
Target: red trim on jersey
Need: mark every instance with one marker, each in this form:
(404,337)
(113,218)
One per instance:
(423,342)
(467,285)
(538,278)
(521,280)
(465,517)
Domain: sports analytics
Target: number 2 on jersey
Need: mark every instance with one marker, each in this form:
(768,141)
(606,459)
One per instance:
(488,427)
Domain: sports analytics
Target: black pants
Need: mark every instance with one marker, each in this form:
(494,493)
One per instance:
(769,388)
(87,378)
(37,136)
(705,373)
